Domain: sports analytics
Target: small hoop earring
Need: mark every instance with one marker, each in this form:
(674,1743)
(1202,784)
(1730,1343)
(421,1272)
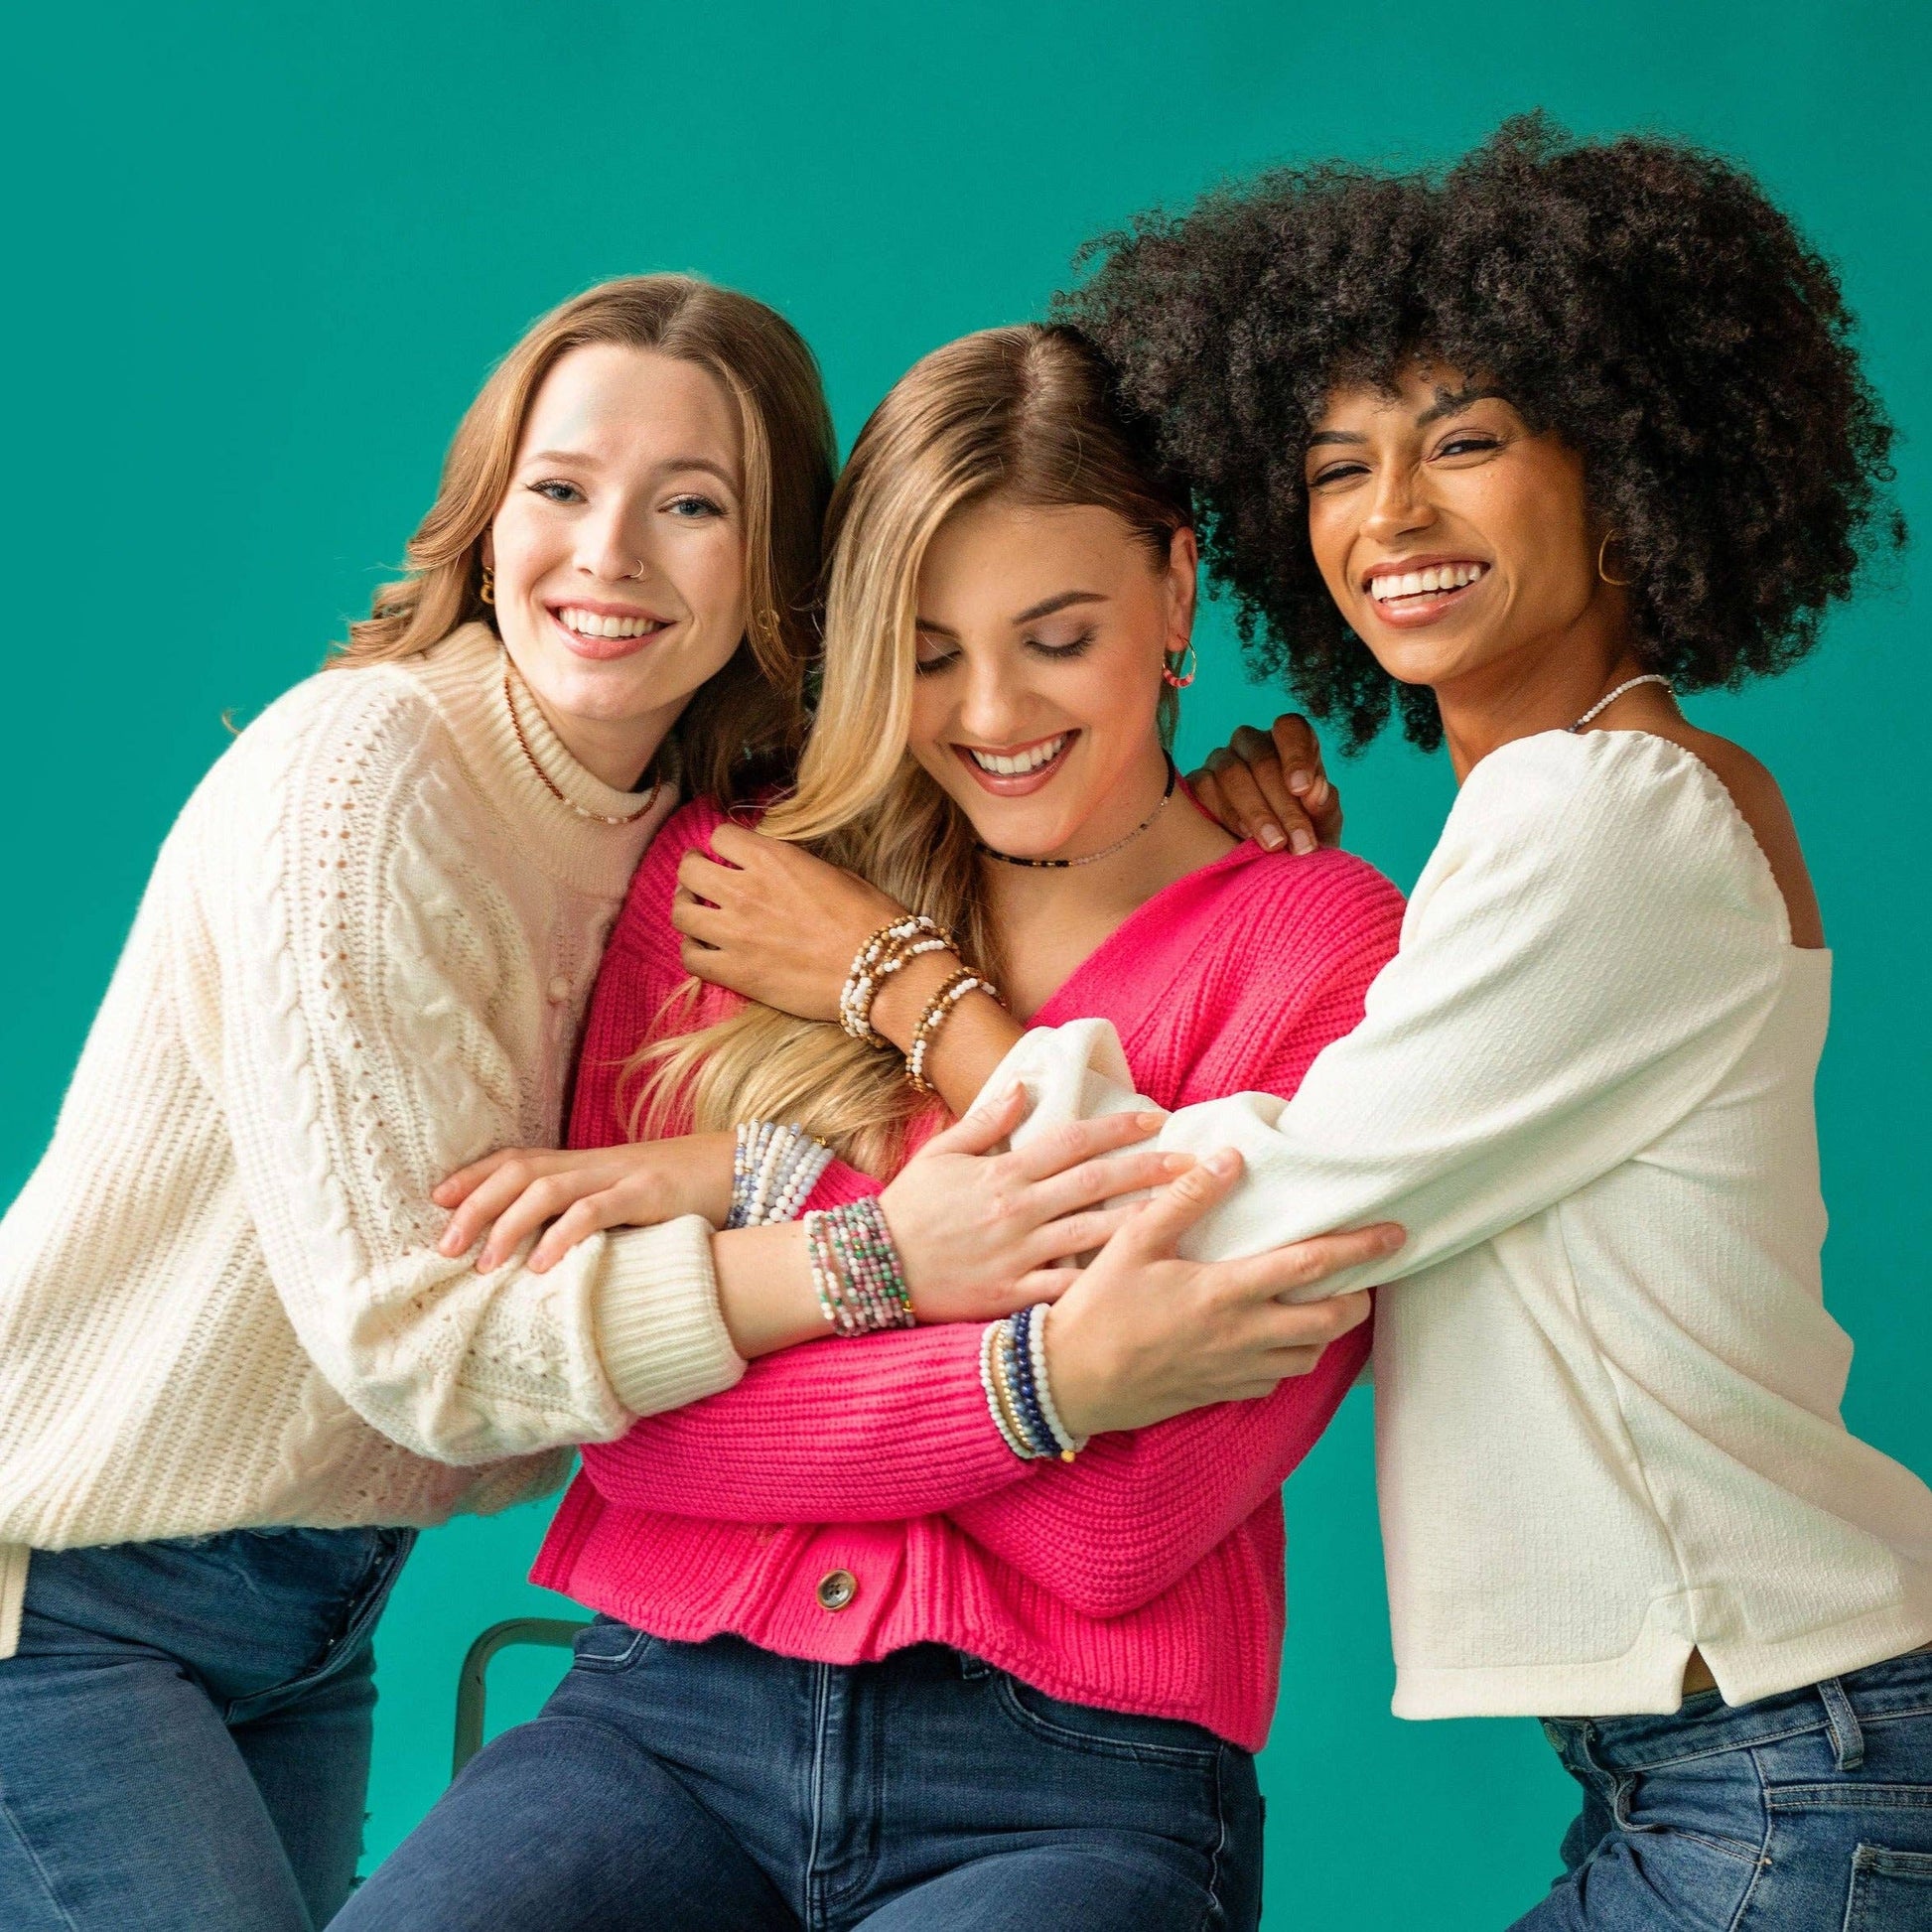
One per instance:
(1602,550)
(487,590)
(1173,678)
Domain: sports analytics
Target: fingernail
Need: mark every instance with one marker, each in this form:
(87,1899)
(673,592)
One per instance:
(1222,1160)
(1269,837)
(1178,1162)
(1303,841)
(485,1263)
(1300,780)
(448,1245)
(1146,1123)
(1392,1239)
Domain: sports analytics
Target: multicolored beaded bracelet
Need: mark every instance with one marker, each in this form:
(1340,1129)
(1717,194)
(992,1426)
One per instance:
(856,1270)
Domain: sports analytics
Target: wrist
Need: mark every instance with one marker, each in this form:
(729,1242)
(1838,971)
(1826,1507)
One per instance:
(1075,1372)
(899,1001)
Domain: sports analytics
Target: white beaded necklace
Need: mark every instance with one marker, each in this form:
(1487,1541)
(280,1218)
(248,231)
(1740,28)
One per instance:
(1629,684)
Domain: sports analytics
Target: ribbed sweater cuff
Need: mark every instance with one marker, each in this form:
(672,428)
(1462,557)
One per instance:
(659,1331)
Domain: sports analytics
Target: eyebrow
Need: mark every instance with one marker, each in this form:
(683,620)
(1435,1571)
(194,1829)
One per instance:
(1030,614)
(582,459)
(1443,405)
(1449,405)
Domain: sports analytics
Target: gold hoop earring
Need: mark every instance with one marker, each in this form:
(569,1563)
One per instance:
(1173,678)
(487,590)
(1602,550)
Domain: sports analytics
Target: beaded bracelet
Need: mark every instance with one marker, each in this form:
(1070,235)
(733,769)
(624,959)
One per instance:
(997,1403)
(1068,1444)
(1012,1374)
(773,1171)
(856,1270)
(938,1010)
(895,943)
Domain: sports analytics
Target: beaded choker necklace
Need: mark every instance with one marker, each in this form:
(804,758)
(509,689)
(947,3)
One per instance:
(1092,858)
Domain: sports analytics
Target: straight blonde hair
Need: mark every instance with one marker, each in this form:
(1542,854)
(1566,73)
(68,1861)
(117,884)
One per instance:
(1029,415)
(744,724)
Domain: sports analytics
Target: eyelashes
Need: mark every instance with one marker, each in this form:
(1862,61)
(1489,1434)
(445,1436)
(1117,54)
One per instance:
(1054,653)
(1063,654)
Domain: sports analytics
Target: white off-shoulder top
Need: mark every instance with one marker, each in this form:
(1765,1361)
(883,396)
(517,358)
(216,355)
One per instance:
(1607,1391)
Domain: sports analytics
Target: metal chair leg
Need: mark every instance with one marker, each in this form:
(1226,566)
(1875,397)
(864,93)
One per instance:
(557,1631)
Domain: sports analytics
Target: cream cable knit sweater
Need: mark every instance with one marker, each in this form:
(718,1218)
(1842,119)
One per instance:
(1608,1389)
(362,962)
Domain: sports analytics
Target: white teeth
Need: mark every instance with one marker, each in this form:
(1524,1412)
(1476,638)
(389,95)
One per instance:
(1421,582)
(591,624)
(1011,768)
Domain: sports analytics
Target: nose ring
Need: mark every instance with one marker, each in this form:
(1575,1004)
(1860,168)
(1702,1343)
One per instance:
(638,572)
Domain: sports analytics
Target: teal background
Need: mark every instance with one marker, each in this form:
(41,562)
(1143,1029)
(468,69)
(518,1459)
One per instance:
(262,259)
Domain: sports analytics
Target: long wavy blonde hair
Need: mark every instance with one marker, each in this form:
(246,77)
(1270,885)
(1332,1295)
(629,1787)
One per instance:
(744,724)
(1028,414)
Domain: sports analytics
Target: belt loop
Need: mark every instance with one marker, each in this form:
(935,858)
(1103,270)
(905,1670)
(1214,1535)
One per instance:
(1848,1739)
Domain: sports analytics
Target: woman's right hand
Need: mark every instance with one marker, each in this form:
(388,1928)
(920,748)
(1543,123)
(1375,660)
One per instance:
(574,1192)
(979,1233)
(1142,1335)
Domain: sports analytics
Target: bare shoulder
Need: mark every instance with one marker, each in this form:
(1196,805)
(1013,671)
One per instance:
(1760,803)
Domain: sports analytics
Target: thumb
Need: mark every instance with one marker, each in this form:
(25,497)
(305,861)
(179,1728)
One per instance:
(1175,1209)
(984,1125)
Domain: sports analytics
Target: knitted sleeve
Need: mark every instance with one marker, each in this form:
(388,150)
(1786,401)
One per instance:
(369,1044)
(1591,946)
(897,1425)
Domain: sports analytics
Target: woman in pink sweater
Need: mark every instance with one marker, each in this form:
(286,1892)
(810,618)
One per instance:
(884,1639)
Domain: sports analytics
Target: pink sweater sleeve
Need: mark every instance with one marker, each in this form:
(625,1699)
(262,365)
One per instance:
(877,1428)
(897,1425)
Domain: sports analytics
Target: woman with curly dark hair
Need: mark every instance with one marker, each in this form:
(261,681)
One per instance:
(1519,452)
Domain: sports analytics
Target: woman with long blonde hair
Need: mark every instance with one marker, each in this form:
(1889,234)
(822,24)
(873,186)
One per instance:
(964,1624)
(241,1356)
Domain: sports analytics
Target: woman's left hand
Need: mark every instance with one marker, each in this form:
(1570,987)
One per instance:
(1271,787)
(580,1191)
(774,922)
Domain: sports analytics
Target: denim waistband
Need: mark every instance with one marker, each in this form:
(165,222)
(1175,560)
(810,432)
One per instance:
(1704,1724)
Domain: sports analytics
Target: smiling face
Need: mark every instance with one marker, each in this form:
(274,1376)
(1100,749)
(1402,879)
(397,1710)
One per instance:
(1458,544)
(619,549)
(1040,642)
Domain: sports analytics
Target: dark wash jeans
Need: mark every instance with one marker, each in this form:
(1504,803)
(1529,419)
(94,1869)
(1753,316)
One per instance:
(672,1787)
(1807,1811)
(184,1733)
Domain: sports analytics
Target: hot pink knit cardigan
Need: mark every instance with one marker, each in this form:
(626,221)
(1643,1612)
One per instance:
(1145,1576)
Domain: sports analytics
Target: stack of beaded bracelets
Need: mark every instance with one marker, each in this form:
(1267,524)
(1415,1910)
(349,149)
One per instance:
(1013,1372)
(773,1171)
(890,947)
(938,1009)
(856,1269)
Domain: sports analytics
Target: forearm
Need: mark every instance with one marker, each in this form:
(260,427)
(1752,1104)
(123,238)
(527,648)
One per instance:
(971,1042)
(764,1288)
(1137,1510)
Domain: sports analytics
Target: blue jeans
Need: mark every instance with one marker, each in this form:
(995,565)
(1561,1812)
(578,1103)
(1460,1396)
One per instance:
(672,1787)
(1808,1812)
(184,1733)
